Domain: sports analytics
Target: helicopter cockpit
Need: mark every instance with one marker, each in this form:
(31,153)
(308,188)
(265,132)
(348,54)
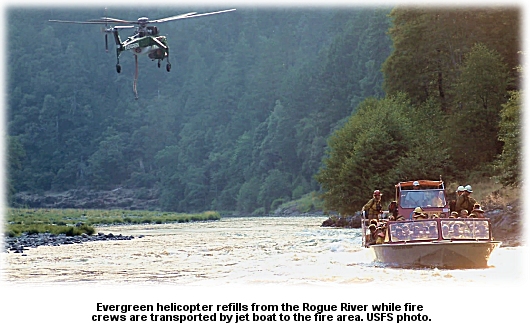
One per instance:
(148,31)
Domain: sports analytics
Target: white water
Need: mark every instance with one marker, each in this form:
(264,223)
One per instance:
(292,251)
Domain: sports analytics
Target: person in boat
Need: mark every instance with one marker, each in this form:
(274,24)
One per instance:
(372,237)
(418,214)
(466,201)
(438,200)
(415,198)
(464,214)
(433,232)
(445,231)
(416,232)
(380,234)
(373,207)
(454,214)
(481,231)
(452,203)
(406,232)
(478,211)
(393,209)
(460,191)
(456,230)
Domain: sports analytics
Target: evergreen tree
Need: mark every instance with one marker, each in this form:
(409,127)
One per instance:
(480,92)
(511,160)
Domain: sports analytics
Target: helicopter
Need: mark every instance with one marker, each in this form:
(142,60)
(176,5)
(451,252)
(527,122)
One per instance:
(146,39)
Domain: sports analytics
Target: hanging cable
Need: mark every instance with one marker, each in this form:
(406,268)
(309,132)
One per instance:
(135,77)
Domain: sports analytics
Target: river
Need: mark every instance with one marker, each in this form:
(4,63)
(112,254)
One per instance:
(264,261)
(272,250)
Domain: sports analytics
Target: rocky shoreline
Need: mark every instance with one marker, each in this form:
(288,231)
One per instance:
(21,243)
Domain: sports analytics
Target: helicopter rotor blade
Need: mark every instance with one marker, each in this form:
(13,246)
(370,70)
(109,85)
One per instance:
(189,16)
(107,20)
(103,20)
(211,13)
(110,20)
(171,18)
(78,22)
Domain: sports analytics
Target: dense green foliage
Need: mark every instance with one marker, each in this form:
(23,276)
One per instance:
(431,44)
(446,111)
(509,162)
(380,145)
(240,123)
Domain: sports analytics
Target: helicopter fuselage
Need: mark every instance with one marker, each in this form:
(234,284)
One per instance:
(153,46)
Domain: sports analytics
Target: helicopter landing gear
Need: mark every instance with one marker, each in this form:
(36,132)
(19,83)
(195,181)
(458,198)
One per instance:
(158,64)
(118,68)
(168,67)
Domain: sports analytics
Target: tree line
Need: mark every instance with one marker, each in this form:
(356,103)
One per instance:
(256,99)
(451,107)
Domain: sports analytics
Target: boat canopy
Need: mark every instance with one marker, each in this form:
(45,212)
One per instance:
(430,183)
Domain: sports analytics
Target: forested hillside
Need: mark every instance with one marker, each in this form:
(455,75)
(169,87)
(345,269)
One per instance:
(239,124)
(452,108)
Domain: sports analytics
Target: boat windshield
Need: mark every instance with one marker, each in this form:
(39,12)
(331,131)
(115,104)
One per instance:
(413,230)
(426,230)
(422,198)
(465,229)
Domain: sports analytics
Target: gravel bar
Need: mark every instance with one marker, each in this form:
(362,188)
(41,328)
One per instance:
(21,243)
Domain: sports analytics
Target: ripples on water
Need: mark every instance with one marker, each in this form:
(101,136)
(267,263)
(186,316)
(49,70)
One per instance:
(235,251)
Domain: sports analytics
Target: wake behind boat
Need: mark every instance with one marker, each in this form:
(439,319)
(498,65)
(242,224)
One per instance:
(431,239)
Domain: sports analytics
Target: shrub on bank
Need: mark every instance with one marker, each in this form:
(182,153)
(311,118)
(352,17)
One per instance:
(13,230)
(78,221)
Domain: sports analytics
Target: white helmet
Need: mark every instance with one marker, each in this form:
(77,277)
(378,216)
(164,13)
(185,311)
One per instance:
(469,189)
(460,188)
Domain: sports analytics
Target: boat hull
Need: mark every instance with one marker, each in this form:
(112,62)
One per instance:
(436,254)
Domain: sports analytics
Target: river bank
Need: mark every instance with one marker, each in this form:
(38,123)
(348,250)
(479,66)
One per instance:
(22,243)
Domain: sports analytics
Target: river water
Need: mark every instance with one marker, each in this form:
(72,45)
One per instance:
(265,261)
(272,250)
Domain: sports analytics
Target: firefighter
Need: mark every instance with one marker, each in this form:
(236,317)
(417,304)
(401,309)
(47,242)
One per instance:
(465,201)
(373,207)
